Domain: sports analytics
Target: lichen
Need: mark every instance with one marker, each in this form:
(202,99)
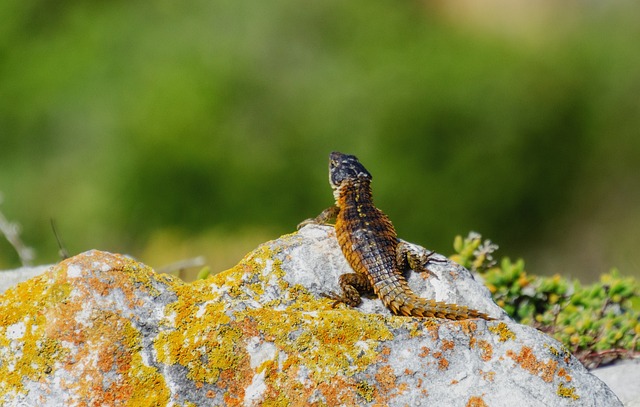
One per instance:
(242,335)
(528,361)
(476,401)
(562,353)
(62,332)
(567,392)
(366,390)
(387,383)
(503,332)
(32,354)
(205,346)
(486,349)
(326,342)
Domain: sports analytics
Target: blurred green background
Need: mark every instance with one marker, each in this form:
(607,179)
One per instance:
(172,129)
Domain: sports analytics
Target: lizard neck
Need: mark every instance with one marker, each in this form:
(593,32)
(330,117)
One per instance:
(353,194)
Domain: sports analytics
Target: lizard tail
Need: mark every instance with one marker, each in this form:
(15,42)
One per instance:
(411,305)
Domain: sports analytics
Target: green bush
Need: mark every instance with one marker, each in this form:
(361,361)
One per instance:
(121,118)
(598,322)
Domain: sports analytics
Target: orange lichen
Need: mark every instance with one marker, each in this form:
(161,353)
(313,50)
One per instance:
(486,348)
(468,326)
(402,388)
(488,376)
(447,345)
(331,345)
(562,373)
(476,401)
(528,361)
(296,349)
(386,379)
(443,364)
(63,331)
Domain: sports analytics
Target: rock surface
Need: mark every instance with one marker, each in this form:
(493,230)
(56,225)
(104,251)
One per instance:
(9,278)
(102,329)
(624,379)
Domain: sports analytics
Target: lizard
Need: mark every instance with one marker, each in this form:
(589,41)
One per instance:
(369,243)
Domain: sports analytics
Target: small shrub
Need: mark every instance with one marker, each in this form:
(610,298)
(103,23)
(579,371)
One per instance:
(598,322)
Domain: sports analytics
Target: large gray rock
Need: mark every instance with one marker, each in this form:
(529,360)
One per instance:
(9,278)
(102,329)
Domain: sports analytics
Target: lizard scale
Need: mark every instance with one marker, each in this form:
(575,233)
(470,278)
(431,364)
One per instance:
(370,244)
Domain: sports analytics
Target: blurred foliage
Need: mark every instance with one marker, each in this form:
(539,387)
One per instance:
(122,120)
(598,322)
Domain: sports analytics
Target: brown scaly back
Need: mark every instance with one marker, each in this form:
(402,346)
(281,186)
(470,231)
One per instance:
(369,243)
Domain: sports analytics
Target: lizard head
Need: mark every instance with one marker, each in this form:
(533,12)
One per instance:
(346,168)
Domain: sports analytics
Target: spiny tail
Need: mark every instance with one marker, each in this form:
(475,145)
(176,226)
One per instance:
(413,306)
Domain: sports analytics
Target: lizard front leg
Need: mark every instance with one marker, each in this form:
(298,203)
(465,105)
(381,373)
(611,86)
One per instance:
(352,284)
(406,258)
(325,217)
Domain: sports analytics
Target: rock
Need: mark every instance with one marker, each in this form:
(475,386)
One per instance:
(103,329)
(623,378)
(9,278)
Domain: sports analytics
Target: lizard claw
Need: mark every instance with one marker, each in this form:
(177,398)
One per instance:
(335,297)
(428,258)
(305,222)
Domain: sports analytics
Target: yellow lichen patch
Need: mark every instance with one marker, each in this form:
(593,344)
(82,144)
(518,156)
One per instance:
(203,337)
(205,345)
(51,324)
(248,279)
(528,361)
(148,386)
(192,302)
(414,326)
(503,332)
(26,351)
(366,391)
(31,357)
(560,353)
(263,259)
(29,297)
(302,300)
(567,392)
(327,342)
